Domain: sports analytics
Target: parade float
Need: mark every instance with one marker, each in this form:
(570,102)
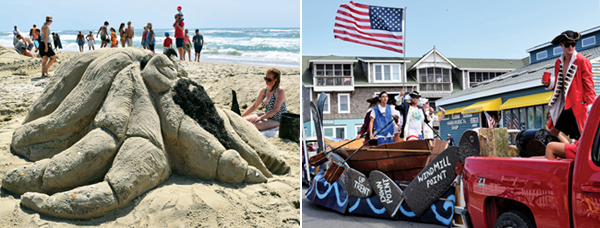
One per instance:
(408,180)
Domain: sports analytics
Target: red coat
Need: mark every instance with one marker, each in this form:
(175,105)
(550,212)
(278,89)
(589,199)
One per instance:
(579,88)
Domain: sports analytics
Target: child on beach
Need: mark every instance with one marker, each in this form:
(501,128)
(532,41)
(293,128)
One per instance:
(80,41)
(179,13)
(144,34)
(167,43)
(198,42)
(91,42)
(187,46)
(113,38)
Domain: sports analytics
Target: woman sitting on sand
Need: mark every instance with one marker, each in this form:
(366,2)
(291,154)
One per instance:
(272,97)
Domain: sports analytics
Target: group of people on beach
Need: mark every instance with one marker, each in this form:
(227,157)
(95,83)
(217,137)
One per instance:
(126,34)
(183,43)
(24,44)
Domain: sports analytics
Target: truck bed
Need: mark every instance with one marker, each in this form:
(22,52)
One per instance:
(539,183)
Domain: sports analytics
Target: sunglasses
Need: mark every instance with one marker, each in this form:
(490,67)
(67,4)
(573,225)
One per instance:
(268,79)
(567,44)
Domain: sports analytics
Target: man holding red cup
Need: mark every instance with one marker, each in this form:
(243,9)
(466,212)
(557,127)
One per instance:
(573,89)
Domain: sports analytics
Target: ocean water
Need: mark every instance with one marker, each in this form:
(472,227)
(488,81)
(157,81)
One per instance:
(257,46)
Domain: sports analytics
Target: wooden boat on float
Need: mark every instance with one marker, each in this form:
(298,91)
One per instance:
(401,161)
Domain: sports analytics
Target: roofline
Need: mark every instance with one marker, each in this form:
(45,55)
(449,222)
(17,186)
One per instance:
(548,44)
(384,61)
(372,85)
(490,92)
(487,69)
(332,61)
(429,53)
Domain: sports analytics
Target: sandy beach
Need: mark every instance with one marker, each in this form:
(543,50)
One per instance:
(181,201)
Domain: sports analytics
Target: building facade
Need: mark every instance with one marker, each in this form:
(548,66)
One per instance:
(349,81)
(517,99)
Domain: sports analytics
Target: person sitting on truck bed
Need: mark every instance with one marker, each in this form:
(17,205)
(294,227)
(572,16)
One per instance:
(573,90)
(561,150)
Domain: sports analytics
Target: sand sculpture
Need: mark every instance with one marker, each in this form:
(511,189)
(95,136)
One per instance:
(114,123)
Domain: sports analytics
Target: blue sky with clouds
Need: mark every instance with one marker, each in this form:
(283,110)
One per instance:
(86,15)
(458,29)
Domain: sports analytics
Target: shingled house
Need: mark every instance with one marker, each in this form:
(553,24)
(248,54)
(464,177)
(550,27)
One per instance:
(349,81)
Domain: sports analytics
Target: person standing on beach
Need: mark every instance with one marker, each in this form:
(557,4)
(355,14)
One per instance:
(103,31)
(122,34)
(15,32)
(91,41)
(80,41)
(187,46)
(34,36)
(179,37)
(48,56)
(129,34)
(113,38)
(57,43)
(150,37)
(144,35)
(198,43)
(167,43)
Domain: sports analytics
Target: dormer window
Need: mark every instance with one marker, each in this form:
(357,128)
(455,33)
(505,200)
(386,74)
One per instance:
(434,79)
(333,74)
(387,72)
(542,55)
(588,41)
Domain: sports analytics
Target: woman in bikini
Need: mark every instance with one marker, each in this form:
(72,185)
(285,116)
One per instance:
(122,34)
(272,98)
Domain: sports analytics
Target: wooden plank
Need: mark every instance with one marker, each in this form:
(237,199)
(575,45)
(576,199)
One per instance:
(365,154)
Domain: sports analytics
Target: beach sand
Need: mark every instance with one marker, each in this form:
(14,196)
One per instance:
(181,201)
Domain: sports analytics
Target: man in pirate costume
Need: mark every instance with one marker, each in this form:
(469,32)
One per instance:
(573,94)
(414,118)
(380,116)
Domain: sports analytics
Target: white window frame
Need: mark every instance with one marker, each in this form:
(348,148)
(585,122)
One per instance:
(327,104)
(340,102)
(589,38)
(537,55)
(334,127)
(391,73)
(357,128)
(557,50)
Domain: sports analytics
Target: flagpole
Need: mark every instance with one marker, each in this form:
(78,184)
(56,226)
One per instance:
(404,50)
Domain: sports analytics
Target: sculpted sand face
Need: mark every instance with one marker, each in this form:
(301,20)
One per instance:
(107,130)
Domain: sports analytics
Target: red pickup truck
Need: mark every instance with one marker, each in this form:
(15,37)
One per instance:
(537,192)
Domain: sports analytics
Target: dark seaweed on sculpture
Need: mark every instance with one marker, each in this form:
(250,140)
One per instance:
(170,52)
(201,108)
(235,107)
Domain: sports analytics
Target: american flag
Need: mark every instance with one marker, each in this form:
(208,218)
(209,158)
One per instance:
(375,26)
(490,121)
(516,123)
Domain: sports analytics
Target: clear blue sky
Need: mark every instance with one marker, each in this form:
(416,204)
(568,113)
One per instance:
(458,29)
(80,14)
